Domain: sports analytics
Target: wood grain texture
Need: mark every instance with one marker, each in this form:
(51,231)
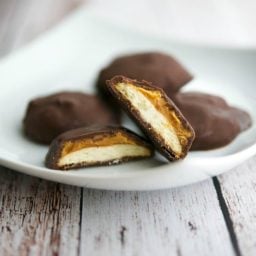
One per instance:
(239,191)
(184,221)
(37,217)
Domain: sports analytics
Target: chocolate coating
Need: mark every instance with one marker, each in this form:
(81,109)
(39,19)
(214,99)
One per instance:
(160,69)
(49,116)
(215,123)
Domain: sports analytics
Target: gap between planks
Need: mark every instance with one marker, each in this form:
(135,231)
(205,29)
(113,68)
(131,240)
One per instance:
(227,217)
(182,221)
(239,192)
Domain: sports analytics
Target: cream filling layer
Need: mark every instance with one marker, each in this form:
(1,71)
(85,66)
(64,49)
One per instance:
(151,115)
(104,153)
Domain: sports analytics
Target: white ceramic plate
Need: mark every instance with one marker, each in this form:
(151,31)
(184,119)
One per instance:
(70,56)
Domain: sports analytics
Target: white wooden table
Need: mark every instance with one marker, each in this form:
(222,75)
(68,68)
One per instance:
(37,217)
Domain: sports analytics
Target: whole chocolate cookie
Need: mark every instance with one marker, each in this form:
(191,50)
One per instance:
(49,116)
(158,68)
(215,123)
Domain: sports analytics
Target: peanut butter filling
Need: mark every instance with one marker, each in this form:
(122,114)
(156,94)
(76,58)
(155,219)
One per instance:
(160,104)
(96,141)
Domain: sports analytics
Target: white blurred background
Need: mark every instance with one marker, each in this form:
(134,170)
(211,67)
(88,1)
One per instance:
(216,22)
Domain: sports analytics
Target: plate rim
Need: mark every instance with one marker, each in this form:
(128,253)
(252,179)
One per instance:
(31,169)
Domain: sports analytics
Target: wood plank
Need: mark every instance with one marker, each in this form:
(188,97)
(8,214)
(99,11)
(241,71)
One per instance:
(38,217)
(183,221)
(239,191)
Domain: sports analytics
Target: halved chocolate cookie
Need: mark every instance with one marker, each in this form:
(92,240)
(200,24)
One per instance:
(95,146)
(156,114)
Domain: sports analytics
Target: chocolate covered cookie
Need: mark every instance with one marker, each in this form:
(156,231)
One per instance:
(159,68)
(215,123)
(96,146)
(156,114)
(49,116)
